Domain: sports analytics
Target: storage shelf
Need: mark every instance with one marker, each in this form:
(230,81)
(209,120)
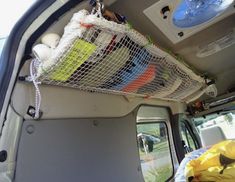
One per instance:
(98,55)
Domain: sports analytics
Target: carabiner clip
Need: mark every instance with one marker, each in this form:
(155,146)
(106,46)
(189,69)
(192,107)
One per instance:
(98,8)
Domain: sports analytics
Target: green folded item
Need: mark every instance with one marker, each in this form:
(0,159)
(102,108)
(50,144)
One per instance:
(74,58)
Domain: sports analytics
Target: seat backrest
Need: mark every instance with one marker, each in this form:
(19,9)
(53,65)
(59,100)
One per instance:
(212,135)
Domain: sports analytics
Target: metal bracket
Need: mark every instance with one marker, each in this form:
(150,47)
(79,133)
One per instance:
(31,112)
(98,7)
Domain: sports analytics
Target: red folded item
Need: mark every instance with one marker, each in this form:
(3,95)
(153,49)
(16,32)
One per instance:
(143,79)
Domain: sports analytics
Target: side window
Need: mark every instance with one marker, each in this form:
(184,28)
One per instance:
(154,151)
(16,10)
(188,142)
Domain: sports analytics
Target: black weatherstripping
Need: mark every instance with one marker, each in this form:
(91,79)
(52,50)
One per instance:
(175,122)
(189,127)
(7,60)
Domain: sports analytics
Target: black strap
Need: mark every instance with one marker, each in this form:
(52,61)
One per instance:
(225,161)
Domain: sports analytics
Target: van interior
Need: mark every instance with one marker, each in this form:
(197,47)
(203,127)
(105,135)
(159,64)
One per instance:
(115,90)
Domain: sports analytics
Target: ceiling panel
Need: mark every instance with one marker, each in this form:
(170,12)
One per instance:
(219,65)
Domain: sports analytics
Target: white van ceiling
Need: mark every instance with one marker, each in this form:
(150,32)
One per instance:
(220,65)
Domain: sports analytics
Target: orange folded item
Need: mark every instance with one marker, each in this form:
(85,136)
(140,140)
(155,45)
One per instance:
(143,79)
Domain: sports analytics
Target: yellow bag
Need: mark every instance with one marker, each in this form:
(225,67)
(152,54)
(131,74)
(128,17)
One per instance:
(216,164)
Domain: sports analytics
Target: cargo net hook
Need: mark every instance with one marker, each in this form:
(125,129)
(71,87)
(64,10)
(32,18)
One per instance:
(98,8)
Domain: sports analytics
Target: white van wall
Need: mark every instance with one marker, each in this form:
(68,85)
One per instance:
(83,150)
(62,102)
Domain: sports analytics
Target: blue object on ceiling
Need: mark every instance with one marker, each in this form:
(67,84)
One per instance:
(190,13)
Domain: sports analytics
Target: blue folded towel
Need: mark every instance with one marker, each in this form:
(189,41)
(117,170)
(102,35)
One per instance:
(134,69)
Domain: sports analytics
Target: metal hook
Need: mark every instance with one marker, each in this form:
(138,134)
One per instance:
(98,7)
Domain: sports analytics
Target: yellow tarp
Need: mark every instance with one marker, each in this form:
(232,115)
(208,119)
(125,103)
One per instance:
(216,164)
(76,56)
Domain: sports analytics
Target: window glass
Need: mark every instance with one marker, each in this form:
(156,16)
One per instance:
(10,13)
(154,151)
(187,140)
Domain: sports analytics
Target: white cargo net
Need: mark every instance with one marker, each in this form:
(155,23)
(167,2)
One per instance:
(99,55)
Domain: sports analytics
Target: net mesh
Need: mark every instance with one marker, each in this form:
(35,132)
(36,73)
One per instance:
(105,57)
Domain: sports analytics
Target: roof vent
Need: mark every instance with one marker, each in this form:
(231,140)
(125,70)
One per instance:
(181,19)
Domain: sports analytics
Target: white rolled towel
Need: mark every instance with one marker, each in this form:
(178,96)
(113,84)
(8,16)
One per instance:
(71,32)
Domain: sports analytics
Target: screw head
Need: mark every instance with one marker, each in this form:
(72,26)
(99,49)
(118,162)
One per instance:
(30,129)
(95,123)
(32,111)
(181,34)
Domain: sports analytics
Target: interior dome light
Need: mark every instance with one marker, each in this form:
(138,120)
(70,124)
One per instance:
(190,13)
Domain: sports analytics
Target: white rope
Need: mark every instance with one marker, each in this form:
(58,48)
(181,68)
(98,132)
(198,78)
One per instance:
(33,65)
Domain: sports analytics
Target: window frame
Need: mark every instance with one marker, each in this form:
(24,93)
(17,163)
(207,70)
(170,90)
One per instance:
(2,42)
(191,133)
(156,121)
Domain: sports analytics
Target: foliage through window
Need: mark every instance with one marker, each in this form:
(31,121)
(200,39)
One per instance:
(154,151)
(187,140)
